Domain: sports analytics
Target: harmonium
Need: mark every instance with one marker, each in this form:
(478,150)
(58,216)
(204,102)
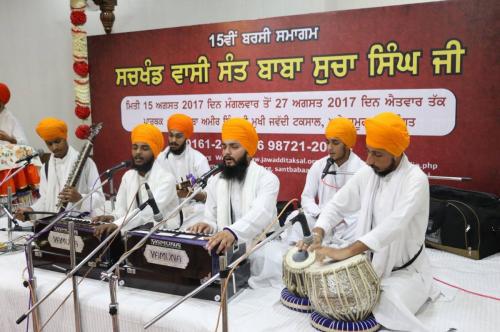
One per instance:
(176,262)
(51,249)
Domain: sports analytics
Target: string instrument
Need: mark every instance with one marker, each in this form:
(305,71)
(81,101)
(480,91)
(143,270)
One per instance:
(77,168)
(189,183)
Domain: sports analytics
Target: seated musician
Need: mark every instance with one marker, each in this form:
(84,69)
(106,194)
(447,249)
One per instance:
(147,142)
(181,159)
(55,174)
(393,195)
(241,201)
(341,137)
(10,129)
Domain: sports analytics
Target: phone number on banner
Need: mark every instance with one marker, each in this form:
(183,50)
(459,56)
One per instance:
(269,145)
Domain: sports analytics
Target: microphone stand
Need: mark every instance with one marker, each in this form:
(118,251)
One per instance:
(31,271)
(11,247)
(112,195)
(110,274)
(215,277)
(431,177)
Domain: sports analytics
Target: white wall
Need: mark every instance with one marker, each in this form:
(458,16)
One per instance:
(35,43)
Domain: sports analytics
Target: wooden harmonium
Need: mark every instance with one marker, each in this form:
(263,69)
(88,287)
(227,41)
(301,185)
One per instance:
(51,249)
(177,262)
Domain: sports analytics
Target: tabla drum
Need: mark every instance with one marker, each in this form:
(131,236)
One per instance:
(346,290)
(294,296)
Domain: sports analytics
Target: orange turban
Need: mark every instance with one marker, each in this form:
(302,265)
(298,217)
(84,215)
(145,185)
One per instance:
(241,130)
(4,93)
(147,133)
(182,123)
(50,129)
(387,131)
(342,129)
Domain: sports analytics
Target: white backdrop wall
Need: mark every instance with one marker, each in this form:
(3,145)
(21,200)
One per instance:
(35,43)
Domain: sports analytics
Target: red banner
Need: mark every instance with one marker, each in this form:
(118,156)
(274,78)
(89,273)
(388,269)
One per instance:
(435,64)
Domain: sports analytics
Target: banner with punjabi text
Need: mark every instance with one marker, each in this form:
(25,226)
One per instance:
(435,64)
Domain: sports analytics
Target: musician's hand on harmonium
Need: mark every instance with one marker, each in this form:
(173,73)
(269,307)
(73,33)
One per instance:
(221,241)
(200,227)
(104,229)
(69,194)
(19,214)
(103,219)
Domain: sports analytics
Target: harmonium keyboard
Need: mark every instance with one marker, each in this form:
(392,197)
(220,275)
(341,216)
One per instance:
(177,262)
(51,249)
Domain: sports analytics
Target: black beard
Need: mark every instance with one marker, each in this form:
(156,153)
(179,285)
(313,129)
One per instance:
(180,150)
(238,171)
(391,168)
(144,168)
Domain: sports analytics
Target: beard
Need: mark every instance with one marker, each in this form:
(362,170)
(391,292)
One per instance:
(145,167)
(178,149)
(388,170)
(237,171)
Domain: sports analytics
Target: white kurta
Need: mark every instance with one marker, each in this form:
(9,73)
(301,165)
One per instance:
(9,124)
(323,190)
(253,207)
(162,184)
(58,172)
(392,223)
(190,161)
(253,202)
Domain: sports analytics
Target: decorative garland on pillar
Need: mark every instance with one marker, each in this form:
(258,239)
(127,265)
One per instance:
(80,66)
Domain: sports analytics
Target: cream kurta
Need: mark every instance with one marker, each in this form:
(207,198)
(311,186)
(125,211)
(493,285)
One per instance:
(162,184)
(9,124)
(190,161)
(58,172)
(393,227)
(324,189)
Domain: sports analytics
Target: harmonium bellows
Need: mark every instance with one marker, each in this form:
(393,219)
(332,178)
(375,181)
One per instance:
(177,262)
(51,249)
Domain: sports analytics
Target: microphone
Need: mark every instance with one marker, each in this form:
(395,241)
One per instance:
(329,163)
(301,256)
(157,216)
(204,178)
(28,158)
(301,218)
(123,164)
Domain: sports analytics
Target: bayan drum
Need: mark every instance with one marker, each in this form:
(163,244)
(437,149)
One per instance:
(294,296)
(346,290)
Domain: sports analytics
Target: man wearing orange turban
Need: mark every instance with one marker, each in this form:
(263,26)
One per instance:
(241,200)
(10,128)
(55,173)
(326,176)
(185,162)
(147,142)
(392,197)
